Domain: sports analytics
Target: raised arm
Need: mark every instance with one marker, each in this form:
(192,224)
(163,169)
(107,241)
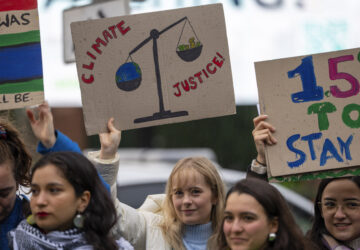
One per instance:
(262,135)
(50,140)
(110,141)
(107,160)
(131,223)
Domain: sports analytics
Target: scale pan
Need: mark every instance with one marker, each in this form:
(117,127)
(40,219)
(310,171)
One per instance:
(190,54)
(128,76)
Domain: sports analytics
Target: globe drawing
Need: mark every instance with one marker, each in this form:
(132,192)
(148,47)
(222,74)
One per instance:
(128,76)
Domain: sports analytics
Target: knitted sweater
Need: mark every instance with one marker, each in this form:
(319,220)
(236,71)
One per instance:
(196,236)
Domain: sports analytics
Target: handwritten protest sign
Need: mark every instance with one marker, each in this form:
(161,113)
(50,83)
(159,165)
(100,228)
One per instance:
(155,68)
(313,101)
(21,77)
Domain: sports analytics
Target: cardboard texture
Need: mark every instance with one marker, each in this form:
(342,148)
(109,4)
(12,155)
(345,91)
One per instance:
(21,76)
(313,102)
(155,68)
(91,11)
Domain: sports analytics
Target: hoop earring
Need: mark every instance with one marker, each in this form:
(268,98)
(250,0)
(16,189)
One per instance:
(272,237)
(79,221)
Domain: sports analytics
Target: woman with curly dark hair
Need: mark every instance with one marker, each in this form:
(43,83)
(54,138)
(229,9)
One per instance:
(71,208)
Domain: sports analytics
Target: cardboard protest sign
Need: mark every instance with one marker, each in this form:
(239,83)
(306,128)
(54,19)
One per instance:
(91,11)
(155,68)
(313,101)
(21,76)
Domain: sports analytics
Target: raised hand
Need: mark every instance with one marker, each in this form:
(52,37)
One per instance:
(42,125)
(109,141)
(263,135)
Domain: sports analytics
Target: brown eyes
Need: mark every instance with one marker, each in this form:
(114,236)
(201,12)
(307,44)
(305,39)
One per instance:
(245,218)
(36,191)
(4,195)
(331,206)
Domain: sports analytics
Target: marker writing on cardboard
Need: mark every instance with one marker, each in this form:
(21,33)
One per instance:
(198,78)
(102,41)
(312,92)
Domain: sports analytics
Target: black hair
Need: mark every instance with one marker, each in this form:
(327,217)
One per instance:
(100,214)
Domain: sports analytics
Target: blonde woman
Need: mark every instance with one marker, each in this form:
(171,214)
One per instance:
(185,217)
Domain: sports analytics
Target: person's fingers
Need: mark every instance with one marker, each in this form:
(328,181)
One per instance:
(112,127)
(44,108)
(41,115)
(264,125)
(259,118)
(260,138)
(110,124)
(268,140)
(30,115)
(264,135)
(273,139)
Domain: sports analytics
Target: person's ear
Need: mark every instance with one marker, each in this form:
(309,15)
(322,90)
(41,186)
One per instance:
(84,201)
(274,225)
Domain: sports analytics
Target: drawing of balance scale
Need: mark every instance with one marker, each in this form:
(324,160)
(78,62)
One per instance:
(128,76)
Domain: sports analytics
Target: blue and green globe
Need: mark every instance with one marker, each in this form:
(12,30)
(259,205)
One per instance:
(128,76)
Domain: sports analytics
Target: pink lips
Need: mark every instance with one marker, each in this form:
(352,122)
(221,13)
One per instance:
(188,212)
(237,240)
(342,226)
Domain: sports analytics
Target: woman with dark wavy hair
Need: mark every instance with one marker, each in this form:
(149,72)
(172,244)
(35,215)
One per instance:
(337,214)
(71,208)
(15,163)
(257,217)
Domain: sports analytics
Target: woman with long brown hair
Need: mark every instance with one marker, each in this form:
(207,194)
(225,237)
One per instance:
(257,217)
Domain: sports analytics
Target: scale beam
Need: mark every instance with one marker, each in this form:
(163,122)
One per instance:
(151,37)
(172,25)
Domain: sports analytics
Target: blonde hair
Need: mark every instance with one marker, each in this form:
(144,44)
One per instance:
(172,227)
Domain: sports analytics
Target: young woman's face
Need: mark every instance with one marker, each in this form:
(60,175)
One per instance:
(7,189)
(340,208)
(53,202)
(192,198)
(246,226)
